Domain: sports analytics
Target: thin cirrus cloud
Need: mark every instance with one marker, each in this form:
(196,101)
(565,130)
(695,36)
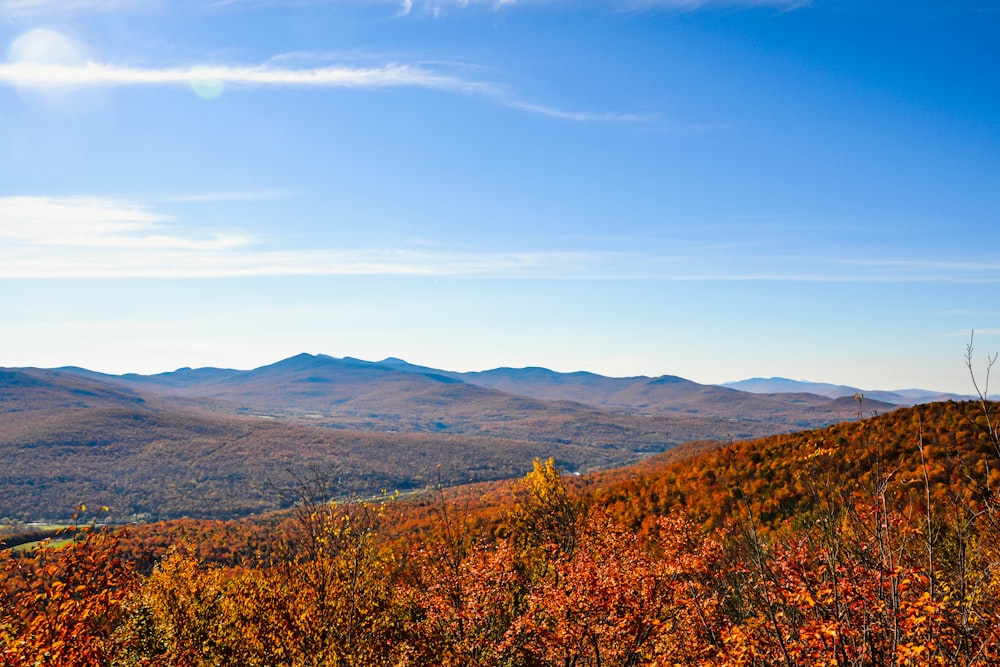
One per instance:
(210,80)
(438,7)
(689,5)
(43,59)
(47,75)
(33,8)
(93,237)
(269,195)
(93,222)
(173,263)
(926,270)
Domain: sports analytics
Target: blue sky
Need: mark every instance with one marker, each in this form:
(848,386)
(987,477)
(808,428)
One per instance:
(715,189)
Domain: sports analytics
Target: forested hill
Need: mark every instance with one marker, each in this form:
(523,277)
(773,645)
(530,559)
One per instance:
(781,478)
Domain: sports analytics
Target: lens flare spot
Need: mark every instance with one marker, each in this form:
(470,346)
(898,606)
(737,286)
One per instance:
(206,86)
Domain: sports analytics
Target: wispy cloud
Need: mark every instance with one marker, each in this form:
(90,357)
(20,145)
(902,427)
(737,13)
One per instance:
(42,75)
(926,269)
(100,237)
(578,116)
(326,262)
(211,80)
(978,332)
(268,195)
(92,237)
(86,223)
(689,5)
(34,8)
(439,7)
(20,9)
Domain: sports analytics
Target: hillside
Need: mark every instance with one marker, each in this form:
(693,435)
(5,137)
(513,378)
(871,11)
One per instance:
(780,478)
(66,439)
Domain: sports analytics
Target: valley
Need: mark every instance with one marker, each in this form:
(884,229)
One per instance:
(220,443)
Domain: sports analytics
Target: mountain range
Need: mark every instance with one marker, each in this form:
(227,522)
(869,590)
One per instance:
(213,442)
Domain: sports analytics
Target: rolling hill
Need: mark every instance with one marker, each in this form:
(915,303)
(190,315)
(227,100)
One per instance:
(216,442)
(785,478)
(67,439)
(392,394)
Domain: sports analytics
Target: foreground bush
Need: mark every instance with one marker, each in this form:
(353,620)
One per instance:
(893,567)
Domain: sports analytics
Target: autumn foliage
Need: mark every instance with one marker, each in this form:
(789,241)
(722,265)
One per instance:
(63,606)
(871,544)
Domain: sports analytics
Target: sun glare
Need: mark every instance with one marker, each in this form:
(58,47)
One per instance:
(46,47)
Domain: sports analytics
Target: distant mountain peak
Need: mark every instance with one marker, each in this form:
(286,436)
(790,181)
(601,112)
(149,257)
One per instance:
(301,356)
(781,385)
(669,379)
(302,359)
